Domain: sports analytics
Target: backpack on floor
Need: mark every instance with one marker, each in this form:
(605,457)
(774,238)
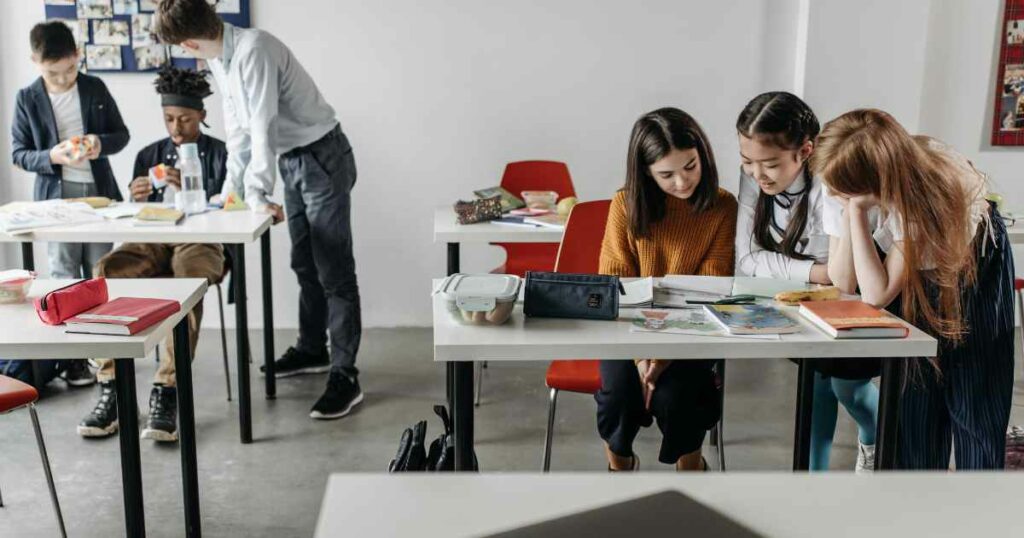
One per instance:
(22,370)
(412,456)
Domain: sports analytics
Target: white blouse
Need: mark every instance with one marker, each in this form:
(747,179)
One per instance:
(753,260)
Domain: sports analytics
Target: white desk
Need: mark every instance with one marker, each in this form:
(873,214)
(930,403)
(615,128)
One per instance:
(776,505)
(234,229)
(24,336)
(546,339)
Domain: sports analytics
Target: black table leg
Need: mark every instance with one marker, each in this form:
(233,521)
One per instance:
(804,409)
(888,414)
(242,343)
(449,380)
(128,433)
(28,260)
(187,428)
(463,416)
(268,318)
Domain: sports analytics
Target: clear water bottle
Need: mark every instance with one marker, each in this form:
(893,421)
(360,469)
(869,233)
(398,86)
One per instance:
(192,197)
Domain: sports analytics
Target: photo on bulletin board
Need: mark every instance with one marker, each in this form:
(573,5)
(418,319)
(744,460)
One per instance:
(1008,120)
(117,35)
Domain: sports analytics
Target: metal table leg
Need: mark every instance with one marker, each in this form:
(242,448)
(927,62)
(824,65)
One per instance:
(187,429)
(128,433)
(888,414)
(804,409)
(242,345)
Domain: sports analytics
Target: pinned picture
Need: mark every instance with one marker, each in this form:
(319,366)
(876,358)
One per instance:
(226,6)
(110,32)
(1015,32)
(59,2)
(151,57)
(180,53)
(125,7)
(1008,113)
(95,9)
(79,28)
(103,57)
(142,31)
(147,5)
(1013,79)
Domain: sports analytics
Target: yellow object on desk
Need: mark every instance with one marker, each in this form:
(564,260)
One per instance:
(96,202)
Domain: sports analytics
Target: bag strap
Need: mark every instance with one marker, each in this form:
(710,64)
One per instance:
(442,411)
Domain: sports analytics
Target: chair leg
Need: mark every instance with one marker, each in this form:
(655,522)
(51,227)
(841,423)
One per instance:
(551,430)
(223,340)
(1,501)
(479,382)
(46,467)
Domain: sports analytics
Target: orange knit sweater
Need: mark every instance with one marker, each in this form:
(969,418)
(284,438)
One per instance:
(683,243)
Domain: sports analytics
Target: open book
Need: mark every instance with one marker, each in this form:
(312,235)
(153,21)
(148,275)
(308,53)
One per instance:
(22,217)
(714,287)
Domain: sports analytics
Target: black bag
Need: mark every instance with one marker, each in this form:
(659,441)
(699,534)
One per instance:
(411,455)
(35,373)
(574,296)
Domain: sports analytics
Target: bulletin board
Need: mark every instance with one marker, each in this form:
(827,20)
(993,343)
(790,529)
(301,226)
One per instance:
(117,36)
(1008,121)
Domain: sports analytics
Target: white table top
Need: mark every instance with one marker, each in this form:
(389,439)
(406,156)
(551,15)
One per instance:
(233,227)
(545,339)
(24,336)
(448,230)
(773,504)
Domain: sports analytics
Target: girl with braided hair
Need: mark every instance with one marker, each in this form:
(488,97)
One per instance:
(780,234)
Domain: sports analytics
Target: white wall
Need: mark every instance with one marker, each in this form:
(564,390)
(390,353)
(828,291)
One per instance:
(437,96)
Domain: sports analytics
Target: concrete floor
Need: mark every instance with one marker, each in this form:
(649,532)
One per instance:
(273,487)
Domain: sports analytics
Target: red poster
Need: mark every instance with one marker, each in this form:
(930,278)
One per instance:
(1008,123)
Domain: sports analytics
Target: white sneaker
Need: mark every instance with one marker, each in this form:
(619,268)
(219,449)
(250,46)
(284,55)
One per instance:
(865,459)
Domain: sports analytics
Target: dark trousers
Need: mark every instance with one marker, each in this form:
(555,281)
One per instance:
(685,403)
(318,181)
(967,405)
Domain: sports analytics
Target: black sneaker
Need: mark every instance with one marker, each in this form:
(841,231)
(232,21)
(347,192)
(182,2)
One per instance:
(162,424)
(78,374)
(341,396)
(295,362)
(103,419)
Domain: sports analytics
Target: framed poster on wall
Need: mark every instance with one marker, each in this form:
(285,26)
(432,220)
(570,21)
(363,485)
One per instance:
(1008,121)
(117,36)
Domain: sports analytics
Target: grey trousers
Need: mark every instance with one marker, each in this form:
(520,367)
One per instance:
(318,180)
(75,260)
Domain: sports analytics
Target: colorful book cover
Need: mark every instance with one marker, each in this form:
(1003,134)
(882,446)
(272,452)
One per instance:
(508,200)
(752,319)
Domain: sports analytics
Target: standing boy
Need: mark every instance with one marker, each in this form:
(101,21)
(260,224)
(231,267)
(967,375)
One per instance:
(181,94)
(273,110)
(65,126)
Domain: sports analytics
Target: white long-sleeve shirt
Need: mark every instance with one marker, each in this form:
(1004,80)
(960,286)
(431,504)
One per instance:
(753,260)
(271,106)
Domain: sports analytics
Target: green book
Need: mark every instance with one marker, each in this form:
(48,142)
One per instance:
(508,200)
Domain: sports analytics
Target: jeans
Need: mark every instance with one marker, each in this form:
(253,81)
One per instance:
(318,181)
(75,260)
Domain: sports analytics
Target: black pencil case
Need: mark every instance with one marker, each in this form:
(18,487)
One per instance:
(574,296)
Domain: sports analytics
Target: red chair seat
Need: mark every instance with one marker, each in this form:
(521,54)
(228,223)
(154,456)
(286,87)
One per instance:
(15,394)
(1018,284)
(523,257)
(574,376)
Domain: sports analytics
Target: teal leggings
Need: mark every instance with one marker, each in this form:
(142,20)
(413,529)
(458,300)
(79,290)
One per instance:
(859,397)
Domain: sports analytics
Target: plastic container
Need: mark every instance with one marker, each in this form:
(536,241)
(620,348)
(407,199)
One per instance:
(546,200)
(14,285)
(192,197)
(481,299)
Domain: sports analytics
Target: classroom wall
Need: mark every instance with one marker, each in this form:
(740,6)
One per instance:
(436,98)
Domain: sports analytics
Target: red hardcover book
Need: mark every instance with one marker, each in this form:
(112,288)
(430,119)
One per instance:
(852,319)
(123,316)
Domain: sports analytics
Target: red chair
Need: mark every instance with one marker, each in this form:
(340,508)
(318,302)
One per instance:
(580,252)
(14,395)
(533,176)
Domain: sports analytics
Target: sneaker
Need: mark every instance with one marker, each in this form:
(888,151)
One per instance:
(102,422)
(865,459)
(162,424)
(634,466)
(78,373)
(295,362)
(341,396)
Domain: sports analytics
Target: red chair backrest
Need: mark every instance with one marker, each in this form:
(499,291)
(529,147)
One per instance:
(538,176)
(580,251)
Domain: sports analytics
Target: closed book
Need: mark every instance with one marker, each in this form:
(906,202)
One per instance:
(752,319)
(123,316)
(514,221)
(852,319)
(547,221)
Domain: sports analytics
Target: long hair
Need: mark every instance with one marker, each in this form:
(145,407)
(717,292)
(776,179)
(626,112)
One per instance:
(654,136)
(867,152)
(786,122)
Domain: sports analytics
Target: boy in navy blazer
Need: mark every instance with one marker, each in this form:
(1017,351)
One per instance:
(65,126)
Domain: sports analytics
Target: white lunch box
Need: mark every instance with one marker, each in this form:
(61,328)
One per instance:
(481,299)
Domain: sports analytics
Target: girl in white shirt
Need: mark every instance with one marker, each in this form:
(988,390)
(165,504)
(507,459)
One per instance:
(910,227)
(780,234)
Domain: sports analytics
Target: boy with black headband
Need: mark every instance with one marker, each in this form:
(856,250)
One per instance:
(181,92)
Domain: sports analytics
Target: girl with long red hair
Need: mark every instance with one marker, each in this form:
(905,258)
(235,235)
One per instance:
(910,227)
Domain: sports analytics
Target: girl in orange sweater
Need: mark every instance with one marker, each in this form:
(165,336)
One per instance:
(671,218)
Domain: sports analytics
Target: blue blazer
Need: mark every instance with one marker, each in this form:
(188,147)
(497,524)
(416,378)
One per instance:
(34,132)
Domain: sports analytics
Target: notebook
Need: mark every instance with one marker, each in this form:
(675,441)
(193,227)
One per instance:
(519,222)
(752,319)
(509,201)
(157,216)
(852,319)
(547,221)
(642,293)
(667,513)
(721,287)
(124,316)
